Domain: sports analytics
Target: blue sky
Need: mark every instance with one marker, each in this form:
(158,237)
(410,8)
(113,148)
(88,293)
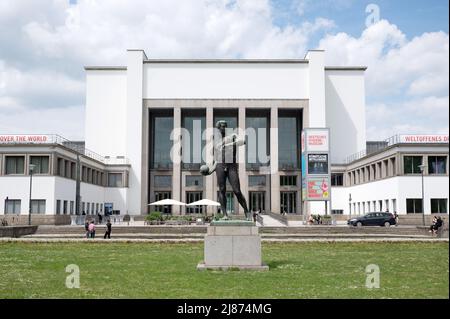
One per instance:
(44,45)
(413,17)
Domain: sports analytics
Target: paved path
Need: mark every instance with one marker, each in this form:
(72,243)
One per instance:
(200,240)
(272,222)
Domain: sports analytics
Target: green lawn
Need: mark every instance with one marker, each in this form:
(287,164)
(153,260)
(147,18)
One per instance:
(153,270)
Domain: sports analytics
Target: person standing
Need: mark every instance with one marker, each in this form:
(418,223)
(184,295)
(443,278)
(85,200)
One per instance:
(86,228)
(108,230)
(396,218)
(92,229)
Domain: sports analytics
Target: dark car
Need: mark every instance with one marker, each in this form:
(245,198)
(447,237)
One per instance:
(373,219)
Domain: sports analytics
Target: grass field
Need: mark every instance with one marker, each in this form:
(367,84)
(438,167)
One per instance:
(153,270)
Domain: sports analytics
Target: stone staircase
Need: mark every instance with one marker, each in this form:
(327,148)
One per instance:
(195,232)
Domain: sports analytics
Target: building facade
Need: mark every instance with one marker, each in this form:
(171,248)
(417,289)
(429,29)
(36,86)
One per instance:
(152,122)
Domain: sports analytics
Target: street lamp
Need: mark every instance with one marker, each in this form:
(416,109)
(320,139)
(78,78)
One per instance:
(422,169)
(32,167)
(350,204)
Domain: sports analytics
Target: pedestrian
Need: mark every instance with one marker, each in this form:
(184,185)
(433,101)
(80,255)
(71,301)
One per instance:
(86,228)
(319,219)
(100,218)
(396,217)
(108,230)
(92,229)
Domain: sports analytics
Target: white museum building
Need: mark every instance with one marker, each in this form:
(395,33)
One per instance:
(140,144)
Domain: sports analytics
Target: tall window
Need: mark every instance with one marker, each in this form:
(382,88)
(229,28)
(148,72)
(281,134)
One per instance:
(193,144)
(288,143)
(162,144)
(12,206)
(439,205)
(41,164)
(411,164)
(337,179)
(414,206)
(115,180)
(437,164)
(257,142)
(38,206)
(15,165)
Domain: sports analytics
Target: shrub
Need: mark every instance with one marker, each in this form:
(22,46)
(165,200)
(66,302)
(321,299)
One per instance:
(154,216)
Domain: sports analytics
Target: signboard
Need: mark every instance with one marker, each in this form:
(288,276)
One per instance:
(317,140)
(25,139)
(318,188)
(423,138)
(317,164)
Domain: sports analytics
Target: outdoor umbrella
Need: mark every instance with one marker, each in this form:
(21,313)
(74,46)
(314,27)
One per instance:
(204,202)
(167,202)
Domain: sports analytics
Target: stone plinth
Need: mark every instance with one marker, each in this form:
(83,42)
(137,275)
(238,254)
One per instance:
(232,244)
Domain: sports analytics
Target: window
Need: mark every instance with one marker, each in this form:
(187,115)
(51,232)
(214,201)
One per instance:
(337,179)
(193,197)
(337,211)
(38,206)
(73,170)
(192,141)
(41,164)
(411,164)
(257,180)
(162,144)
(288,180)
(194,180)
(163,180)
(437,164)
(15,165)
(60,166)
(439,205)
(288,202)
(115,180)
(12,206)
(288,143)
(257,142)
(88,208)
(257,201)
(65,207)
(72,206)
(414,206)
(160,196)
(58,207)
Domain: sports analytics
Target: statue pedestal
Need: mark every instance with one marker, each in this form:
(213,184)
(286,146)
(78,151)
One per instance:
(232,245)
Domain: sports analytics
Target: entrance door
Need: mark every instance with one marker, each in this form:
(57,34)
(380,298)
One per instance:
(160,196)
(288,202)
(257,201)
(230,202)
(193,197)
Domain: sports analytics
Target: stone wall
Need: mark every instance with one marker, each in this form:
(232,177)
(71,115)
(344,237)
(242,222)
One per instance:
(17,231)
(36,219)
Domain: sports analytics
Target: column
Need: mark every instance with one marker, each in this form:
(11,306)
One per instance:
(316,107)
(209,179)
(242,159)
(134,126)
(275,175)
(176,158)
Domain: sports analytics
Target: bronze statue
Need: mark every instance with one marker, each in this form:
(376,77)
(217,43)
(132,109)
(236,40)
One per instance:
(225,166)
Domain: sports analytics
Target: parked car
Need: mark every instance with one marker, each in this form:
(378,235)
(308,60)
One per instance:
(373,219)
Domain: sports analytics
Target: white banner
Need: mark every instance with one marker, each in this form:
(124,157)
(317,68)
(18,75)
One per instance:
(428,138)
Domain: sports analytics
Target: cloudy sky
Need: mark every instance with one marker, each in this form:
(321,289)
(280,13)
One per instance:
(44,45)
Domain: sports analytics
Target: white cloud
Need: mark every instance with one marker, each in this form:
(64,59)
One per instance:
(44,45)
(407,80)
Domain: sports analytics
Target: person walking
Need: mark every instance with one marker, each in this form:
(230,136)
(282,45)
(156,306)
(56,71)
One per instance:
(108,230)
(396,218)
(92,229)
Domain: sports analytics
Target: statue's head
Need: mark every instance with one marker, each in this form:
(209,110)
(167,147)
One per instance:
(221,125)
